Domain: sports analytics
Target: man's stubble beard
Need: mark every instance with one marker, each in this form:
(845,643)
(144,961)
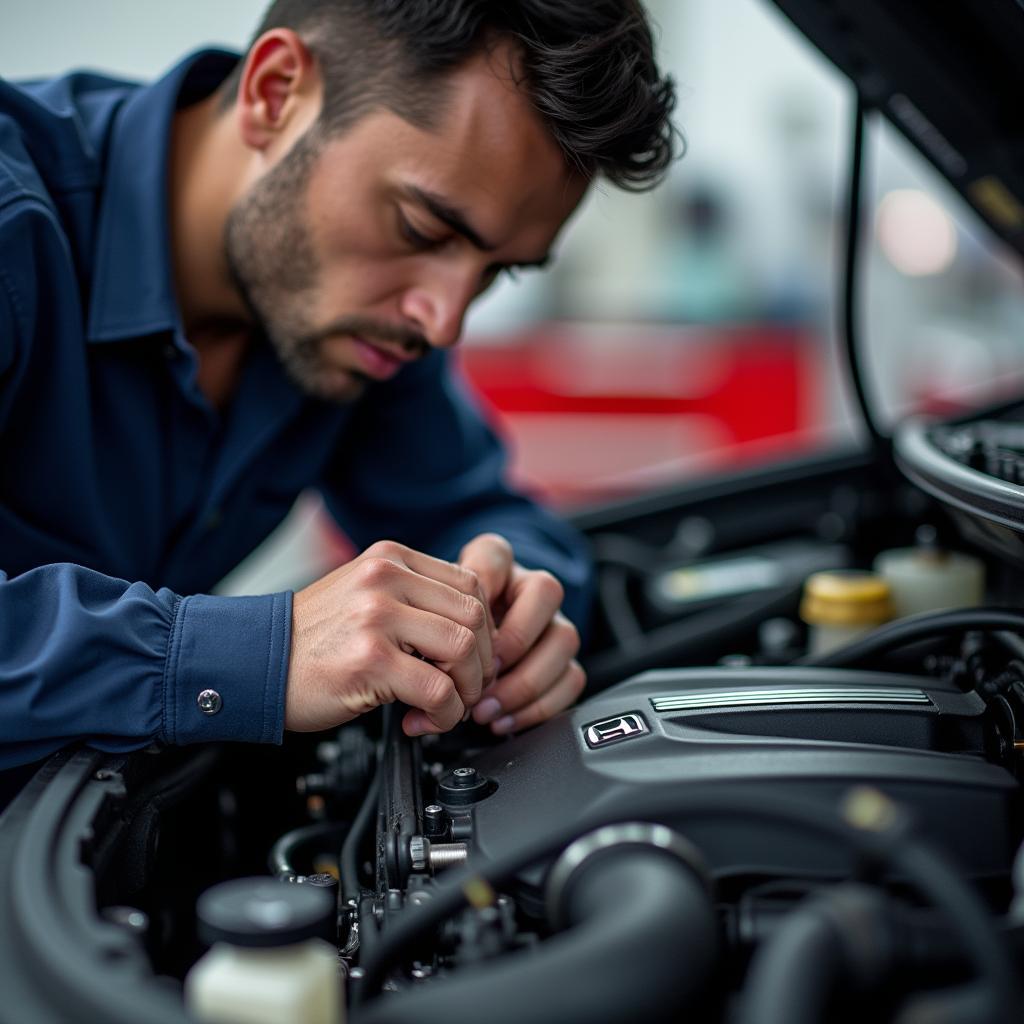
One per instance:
(274,269)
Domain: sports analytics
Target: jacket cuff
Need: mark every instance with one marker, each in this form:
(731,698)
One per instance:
(226,669)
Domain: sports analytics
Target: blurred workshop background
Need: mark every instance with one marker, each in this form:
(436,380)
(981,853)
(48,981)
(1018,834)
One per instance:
(687,331)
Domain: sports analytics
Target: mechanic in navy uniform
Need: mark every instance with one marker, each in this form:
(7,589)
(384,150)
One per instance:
(242,281)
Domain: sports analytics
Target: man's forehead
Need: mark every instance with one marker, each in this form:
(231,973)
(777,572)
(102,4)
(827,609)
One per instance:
(496,157)
(487,159)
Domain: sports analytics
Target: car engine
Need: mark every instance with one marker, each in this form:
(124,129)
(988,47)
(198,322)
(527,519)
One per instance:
(767,832)
(631,856)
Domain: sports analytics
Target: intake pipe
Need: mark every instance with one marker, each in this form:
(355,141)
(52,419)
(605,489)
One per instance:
(840,940)
(640,941)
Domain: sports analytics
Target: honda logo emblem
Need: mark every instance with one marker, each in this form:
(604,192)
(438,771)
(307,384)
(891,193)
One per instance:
(613,730)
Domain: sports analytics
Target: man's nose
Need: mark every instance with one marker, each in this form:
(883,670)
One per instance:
(438,307)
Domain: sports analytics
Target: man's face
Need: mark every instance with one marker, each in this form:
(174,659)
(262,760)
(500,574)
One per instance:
(360,253)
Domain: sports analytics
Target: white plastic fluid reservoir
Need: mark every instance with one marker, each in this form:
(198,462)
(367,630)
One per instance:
(926,578)
(267,963)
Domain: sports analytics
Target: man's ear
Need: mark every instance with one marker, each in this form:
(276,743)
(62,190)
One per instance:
(280,84)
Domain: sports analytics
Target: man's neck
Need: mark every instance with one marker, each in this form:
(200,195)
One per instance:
(203,180)
(204,171)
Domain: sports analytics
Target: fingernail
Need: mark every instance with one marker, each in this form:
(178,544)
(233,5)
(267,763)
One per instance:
(465,717)
(497,664)
(502,725)
(487,710)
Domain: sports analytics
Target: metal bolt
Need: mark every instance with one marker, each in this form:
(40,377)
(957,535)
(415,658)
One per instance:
(130,918)
(328,751)
(446,855)
(435,821)
(419,852)
(315,782)
(464,778)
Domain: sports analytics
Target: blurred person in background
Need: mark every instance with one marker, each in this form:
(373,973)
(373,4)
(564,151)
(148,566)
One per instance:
(243,280)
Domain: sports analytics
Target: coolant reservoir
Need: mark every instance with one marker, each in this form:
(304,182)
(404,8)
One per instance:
(926,578)
(840,605)
(268,963)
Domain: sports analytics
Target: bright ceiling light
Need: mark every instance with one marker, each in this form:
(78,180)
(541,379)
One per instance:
(916,234)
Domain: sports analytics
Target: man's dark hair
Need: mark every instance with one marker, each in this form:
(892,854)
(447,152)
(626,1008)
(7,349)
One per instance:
(587,65)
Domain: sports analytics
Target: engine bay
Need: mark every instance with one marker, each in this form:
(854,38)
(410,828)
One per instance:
(739,829)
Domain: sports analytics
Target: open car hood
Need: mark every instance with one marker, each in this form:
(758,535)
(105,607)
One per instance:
(948,77)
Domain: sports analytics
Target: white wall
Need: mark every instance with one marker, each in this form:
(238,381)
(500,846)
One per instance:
(135,38)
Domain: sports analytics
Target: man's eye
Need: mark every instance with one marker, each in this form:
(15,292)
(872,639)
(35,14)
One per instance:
(412,236)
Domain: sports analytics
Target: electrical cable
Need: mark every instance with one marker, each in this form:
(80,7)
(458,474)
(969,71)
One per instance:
(913,629)
(883,837)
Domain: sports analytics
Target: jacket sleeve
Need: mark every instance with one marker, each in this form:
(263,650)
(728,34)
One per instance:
(420,466)
(84,656)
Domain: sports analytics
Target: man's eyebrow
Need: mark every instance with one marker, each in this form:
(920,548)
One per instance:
(456,220)
(450,215)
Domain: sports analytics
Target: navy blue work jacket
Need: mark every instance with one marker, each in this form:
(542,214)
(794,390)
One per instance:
(124,495)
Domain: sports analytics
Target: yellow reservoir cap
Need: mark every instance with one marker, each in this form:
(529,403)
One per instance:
(846,597)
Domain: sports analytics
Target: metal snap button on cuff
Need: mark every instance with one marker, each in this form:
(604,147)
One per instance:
(209,702)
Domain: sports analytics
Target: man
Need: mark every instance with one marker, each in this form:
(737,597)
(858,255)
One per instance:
(242,281)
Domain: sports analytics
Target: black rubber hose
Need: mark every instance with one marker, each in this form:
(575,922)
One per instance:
(841,939)
(886,840)
(350,888)
(913,629)
(643,938)
(281,858)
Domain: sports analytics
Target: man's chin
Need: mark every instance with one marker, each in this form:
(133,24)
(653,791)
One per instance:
(326,381)
(335,385)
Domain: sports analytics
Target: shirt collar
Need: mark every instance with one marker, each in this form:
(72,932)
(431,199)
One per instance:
(132,292)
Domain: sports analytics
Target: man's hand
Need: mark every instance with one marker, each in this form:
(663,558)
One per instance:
(392,624)
(535,644)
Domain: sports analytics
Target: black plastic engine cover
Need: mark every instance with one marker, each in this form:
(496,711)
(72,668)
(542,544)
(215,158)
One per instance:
(804,733)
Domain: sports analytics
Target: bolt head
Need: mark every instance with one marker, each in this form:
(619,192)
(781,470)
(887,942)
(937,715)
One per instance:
(419,852)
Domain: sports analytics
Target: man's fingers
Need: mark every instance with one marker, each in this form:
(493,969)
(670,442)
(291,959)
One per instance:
(431,695)
(534,675)
(457,576)
(473,611)
(534,598)
(490,557)
(563,694)
(452,647)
